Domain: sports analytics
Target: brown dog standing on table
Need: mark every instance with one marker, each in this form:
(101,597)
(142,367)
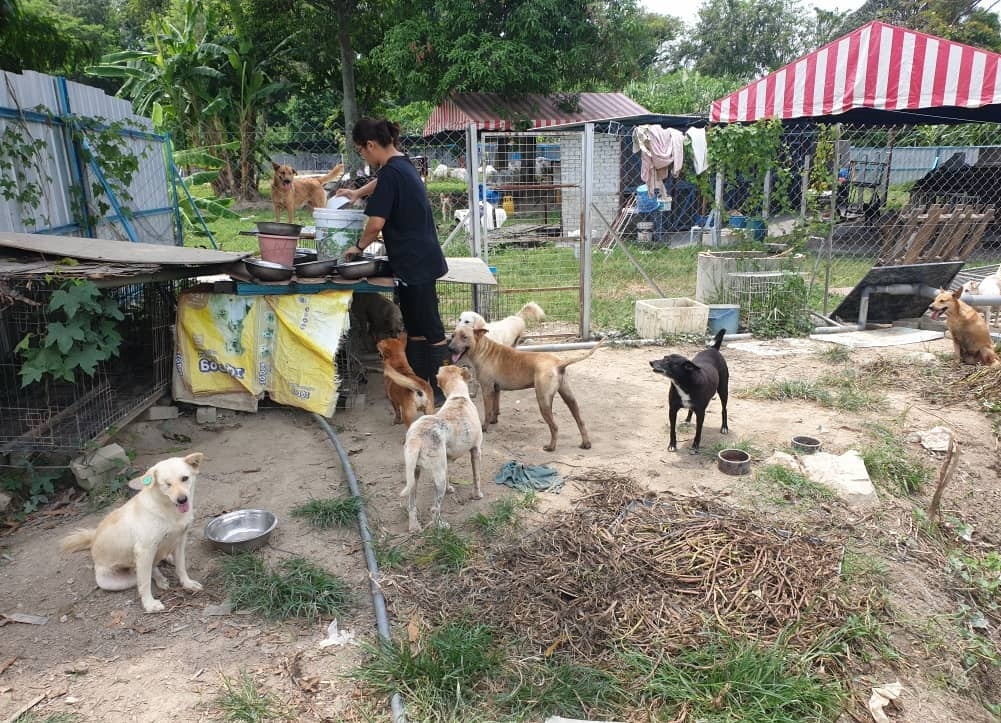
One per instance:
(971,338)
(406,391)
(501,367)
(289,191)
(433,440)
(154,524)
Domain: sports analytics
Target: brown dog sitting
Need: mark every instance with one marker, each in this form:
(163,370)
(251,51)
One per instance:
(970,336)
(500,367)
(289,191)
(406,391)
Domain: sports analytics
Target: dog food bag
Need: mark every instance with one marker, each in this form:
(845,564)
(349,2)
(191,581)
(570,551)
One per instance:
(336,230)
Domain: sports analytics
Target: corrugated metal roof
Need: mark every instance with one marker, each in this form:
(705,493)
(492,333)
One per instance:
(496,112)
(877,66)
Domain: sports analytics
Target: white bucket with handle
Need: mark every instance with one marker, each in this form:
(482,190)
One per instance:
(336,230)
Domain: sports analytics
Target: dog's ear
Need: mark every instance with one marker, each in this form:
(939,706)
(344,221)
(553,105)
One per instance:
(465,374)
(479,332)
(144,480)
(194,460)
(275,165)
(957,293)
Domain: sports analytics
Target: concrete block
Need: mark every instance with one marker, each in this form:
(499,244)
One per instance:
(845,475)
(205,415)
(99,468)
(158,413)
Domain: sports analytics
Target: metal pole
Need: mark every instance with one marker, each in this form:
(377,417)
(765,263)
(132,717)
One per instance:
(834,216)
(584,240)
(475,220)
(805,187)
(719,209)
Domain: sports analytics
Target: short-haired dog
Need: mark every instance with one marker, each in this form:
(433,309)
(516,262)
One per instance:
(289,190)
(971,339)
(510,329)
(406,391)
(500,367)
(693,383)
(433,440)
(131,541)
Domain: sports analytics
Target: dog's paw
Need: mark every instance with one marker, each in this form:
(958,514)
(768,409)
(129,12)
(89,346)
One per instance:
(549,447)
(155,606)
(724,430)
(585,445)
(672,448)
(693,450)
(192,585)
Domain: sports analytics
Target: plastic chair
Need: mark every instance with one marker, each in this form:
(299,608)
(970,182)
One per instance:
(710,221)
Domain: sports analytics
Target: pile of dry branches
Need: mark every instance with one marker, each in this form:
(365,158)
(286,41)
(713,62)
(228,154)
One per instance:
(619,568)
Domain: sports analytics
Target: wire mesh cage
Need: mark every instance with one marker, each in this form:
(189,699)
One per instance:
(772,303)
(64,416)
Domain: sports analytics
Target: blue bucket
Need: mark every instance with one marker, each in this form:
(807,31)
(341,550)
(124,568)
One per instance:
(758,228)
(724,316)
(738,221)
(645,203)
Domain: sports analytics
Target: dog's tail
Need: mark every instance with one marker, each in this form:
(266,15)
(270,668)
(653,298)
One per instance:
(564,364)
(532,311)
(334,175)
(77,541)
(718,339)
(425,397)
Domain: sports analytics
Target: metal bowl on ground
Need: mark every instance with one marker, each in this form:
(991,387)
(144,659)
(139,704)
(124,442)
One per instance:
(733,461)
(241,530)
(364,268)
(273,228)
(807,445)
(268,270)
(315,269)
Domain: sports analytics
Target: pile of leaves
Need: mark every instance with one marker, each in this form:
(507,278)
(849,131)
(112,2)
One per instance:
(655,574)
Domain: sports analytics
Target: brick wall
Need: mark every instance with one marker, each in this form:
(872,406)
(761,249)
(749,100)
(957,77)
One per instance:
(606,188)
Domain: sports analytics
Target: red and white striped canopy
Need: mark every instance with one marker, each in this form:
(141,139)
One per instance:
(877,66)
(496,112)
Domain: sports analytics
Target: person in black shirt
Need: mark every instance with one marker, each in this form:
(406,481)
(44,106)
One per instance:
(398,207)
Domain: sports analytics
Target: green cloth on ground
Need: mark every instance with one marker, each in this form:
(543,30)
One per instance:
(526,477)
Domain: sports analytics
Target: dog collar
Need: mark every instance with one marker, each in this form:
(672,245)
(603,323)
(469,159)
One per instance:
(148,480)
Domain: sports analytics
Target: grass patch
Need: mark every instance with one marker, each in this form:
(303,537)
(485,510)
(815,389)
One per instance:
(982,574)
(890,463)
(438,674)
(444,548)
(836,354)
(327,513)
(846,392)
(503,513)
(730,680)
(857,567)
(112,493)
(792,485)
(388,554)
(569,689)
(718,446)
(242,700)
(297,589)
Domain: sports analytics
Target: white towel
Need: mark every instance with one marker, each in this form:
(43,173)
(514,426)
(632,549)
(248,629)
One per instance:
(698,138)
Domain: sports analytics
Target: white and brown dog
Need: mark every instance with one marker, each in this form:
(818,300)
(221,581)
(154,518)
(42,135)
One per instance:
(132,540)
(509,330)
(435,439)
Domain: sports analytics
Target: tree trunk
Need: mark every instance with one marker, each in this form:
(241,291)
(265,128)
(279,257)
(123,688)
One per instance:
(345,13)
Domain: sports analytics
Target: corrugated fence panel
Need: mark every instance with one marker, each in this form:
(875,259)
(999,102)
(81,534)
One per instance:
(31,103)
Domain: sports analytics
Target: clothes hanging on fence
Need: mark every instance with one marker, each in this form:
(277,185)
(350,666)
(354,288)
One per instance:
(662,151)
(698,138)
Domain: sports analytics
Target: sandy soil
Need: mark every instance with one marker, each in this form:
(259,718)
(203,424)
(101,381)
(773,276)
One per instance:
(100,656)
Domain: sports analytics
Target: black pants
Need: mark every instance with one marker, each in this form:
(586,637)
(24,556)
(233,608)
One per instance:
(419,307)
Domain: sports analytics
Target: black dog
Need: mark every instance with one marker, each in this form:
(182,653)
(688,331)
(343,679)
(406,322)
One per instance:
(693,384)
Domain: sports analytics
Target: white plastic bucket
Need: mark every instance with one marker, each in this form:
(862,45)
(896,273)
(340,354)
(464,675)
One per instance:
(336,230)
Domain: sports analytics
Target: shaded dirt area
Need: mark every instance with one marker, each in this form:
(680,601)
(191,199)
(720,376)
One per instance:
(100,656)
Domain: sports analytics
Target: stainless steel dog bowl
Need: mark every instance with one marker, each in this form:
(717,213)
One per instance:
(303,255)
(241,530)
(273,228)
(807,445)
(733,461)
(363,268)
(267,270)
(315,269)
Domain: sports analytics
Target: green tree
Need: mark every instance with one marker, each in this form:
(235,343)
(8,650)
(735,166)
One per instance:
(34,35)
(745,38)
(517,46)
(679,92)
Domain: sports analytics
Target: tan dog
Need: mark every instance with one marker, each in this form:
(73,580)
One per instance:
(501,367)
(970,336)
(132,540)
(289,191)
(509,330)
(406,391)
(446,206)
(433,440)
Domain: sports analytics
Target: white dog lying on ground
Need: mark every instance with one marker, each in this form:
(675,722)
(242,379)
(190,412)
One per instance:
(132,540)
(509,330)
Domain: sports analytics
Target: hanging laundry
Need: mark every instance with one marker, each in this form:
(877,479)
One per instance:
(662,151)
(699,149)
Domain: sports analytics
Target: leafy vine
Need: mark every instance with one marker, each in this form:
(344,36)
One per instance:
(81,333)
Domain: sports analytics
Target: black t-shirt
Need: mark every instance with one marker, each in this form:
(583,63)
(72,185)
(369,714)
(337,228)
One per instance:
(409,233)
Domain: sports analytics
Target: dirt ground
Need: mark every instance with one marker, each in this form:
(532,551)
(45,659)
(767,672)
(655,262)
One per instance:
(100,656)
